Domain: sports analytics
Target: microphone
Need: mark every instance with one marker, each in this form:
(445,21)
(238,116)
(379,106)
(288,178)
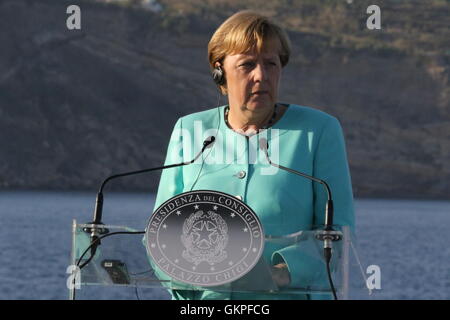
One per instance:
(95,230)
(328,234)
(99,201)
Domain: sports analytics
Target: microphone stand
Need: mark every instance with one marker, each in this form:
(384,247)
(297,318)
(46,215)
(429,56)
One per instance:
(96,228)
(328,234)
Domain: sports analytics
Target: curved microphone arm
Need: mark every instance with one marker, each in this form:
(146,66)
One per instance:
(99,200)
(264,145)
(328,235)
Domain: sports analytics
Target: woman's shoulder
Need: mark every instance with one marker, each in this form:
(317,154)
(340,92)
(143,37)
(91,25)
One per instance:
(205,117)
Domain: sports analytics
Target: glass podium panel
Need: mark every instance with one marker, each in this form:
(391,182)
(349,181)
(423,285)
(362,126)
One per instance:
(122,260)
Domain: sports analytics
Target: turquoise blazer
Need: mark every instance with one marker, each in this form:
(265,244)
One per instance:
(304,139)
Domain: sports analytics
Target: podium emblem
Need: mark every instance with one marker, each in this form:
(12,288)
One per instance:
(204,238)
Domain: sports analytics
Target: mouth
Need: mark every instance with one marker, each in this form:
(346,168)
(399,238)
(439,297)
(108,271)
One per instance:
(259,92)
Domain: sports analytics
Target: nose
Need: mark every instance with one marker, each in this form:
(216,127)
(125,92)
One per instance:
(259,72)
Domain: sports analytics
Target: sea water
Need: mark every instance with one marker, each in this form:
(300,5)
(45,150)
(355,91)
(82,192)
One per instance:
(407,239)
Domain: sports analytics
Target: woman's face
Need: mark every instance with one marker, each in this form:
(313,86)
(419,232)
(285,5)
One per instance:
(252,79)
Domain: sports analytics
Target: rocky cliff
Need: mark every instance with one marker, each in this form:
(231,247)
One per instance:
(76,106)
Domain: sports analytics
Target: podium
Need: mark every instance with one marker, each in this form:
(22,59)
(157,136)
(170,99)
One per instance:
(121,261)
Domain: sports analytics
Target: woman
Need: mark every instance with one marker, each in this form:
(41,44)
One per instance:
(246,55)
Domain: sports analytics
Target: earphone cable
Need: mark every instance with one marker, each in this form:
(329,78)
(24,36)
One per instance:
(218,127)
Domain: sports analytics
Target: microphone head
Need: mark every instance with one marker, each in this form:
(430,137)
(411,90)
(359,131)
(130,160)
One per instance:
(263,144)
(209,142)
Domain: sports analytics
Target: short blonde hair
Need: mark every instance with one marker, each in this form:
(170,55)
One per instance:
(245,31)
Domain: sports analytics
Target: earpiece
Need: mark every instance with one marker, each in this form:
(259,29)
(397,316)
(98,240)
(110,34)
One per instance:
(218,76)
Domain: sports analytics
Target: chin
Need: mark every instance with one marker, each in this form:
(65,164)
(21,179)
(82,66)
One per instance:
(255,106)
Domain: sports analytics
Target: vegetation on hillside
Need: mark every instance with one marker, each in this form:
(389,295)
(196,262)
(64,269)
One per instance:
(409,26)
